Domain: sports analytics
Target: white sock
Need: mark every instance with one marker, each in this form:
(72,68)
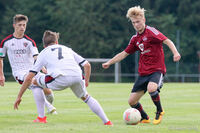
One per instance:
(39,100)
(50,97)
(96,108)
(48,105)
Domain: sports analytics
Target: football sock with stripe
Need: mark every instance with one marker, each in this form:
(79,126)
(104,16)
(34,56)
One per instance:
(138,106)
(156,100)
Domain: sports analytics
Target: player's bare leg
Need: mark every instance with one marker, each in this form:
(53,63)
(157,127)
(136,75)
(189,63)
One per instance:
(134,103)
(97,109)
(152,89)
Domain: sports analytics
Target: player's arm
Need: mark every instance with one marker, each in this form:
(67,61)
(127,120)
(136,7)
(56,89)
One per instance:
(172,47)
(44,70)
(2,78)
(87,71)
(27,82)
(85,64)
(116,58)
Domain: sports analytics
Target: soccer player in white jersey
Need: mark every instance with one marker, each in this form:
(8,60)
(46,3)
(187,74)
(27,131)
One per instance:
(63,67)
(22,52)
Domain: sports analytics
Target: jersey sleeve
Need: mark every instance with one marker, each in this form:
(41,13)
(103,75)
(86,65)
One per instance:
(2,50)
(32,46)
(131,48)
(157,34)
(34,50)
(39,63)
(79,59)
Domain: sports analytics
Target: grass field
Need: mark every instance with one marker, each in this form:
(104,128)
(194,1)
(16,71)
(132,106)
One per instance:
(181,102)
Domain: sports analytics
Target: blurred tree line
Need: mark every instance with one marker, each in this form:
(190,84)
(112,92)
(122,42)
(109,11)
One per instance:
(100,29)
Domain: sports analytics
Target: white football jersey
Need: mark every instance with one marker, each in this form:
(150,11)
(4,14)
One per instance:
(20,53)
(59,60)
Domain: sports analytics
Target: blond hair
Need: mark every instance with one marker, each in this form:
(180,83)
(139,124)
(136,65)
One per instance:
(50,37)
(135,12)
(19,17)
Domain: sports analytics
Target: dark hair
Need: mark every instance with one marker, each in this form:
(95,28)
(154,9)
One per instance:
(50,37)
(19,17)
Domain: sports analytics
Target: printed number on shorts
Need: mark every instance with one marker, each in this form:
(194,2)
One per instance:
(59,52)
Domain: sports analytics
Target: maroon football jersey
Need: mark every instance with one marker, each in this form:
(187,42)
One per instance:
(149,44)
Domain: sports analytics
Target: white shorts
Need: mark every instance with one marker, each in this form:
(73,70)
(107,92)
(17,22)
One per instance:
(76,83)
(21,77)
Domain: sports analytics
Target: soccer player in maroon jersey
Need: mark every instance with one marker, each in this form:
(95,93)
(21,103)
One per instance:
(148,41)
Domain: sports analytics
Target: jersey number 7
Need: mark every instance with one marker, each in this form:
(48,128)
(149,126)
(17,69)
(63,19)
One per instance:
(59,52)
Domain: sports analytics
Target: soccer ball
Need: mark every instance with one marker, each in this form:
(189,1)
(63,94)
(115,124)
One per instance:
(131,116)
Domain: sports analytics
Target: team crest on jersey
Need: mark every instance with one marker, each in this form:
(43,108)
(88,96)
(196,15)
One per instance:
(12,44)
(25,44)
(141,46)
(144,38)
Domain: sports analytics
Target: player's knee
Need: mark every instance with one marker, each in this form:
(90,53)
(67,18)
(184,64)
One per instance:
(132,102)
(152,90)
(152,87)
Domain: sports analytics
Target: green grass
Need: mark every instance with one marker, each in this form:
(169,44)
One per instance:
(181,102)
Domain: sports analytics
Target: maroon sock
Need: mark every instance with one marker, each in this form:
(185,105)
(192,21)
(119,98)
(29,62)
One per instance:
(156,100)
(138,106)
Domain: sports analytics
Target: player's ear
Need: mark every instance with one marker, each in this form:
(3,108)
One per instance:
(13,25)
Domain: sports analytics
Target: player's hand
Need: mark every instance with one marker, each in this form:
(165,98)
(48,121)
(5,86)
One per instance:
(17,102)
(105,65)
(86,83)
(177,57)
(2,80)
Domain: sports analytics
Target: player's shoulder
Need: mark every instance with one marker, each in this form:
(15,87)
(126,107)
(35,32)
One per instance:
(49,48)
(27,37)
(30,39)
(63,47)
(133,38)
(9,37)
(152,30)
(45,50)
(55,46)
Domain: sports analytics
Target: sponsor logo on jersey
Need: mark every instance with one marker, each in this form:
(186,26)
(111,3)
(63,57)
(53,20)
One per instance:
(141,46)
(12,44)
(20,51)
(25,44)
(146,51)
(144,38)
